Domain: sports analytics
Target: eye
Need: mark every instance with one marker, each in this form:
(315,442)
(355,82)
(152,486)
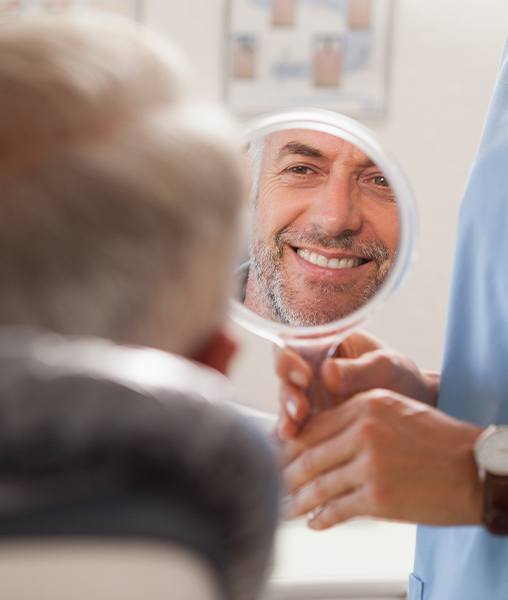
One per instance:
(301,175)
(380,180)
(300,170)
(376,183)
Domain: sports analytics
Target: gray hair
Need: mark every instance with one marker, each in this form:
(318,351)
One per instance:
(255,151)
(119,196)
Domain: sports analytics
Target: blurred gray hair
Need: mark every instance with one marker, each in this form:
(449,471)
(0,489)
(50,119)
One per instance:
(255,151)
(119,196)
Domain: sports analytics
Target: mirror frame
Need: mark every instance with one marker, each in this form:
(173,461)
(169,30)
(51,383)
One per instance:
(357,134)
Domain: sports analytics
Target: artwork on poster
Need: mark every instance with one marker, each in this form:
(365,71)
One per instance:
(326,53)
(130,8)
(243,57)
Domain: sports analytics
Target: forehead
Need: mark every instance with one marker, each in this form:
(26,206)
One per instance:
(316,144)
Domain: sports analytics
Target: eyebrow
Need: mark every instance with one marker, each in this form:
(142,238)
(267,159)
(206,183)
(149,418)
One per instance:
(302,149)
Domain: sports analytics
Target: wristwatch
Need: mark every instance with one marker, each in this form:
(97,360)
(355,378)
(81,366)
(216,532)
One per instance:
(491,454)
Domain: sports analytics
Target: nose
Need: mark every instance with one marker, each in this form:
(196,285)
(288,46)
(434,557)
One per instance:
(337,206)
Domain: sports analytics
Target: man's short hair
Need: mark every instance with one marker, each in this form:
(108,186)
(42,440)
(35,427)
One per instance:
(118,195)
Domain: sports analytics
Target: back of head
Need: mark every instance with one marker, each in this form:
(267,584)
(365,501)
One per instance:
(118,194)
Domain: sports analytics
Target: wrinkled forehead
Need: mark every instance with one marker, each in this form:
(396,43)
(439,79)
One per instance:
(313,144)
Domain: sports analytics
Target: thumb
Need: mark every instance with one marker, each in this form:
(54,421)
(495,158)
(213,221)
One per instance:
(345,377)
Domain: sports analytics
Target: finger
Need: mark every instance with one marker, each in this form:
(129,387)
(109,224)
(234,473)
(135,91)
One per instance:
(345,376)
(340,509)
(286,430)
(295,405)
(294,409)
(292,368)
(320,427)
(319,459)
(323,489)
(359,343)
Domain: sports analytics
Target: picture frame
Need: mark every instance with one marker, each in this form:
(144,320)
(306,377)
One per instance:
(128,8)
(332,54)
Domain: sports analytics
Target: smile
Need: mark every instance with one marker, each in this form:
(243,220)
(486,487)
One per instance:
(329,263)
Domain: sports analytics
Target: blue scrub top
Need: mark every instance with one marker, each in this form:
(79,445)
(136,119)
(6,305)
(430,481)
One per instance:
(467,563)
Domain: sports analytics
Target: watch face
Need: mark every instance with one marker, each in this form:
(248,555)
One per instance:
(491,450)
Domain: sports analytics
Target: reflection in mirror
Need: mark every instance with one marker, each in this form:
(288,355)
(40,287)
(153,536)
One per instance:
(324,228)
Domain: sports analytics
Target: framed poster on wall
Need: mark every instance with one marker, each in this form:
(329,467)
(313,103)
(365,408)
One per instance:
(130,8)
(327,53)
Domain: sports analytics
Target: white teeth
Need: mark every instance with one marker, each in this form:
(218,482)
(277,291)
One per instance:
(330,263)
(321,260)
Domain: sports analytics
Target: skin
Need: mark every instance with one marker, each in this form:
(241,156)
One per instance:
(382,451)
(319,193)
(217,352)
(363,363)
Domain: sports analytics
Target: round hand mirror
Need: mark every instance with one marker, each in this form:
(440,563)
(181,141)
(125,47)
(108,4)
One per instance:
(330,234)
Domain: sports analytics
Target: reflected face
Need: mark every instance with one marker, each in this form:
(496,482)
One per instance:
(325,228)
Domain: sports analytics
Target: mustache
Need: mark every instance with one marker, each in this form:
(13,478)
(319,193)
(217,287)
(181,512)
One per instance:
(369,249)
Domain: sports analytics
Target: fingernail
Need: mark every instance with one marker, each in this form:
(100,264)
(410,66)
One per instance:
(292,408)
(298,378)
(313,518)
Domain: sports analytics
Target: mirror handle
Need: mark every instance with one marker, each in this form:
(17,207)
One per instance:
(319,397)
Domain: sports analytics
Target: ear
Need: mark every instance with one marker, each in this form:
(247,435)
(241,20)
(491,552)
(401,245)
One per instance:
(218,352)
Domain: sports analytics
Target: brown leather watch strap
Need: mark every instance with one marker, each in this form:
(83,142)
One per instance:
(495,503)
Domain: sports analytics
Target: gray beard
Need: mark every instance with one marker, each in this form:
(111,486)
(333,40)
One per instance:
(283,304)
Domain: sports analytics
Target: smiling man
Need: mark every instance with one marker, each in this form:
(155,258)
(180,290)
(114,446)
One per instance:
(325,228)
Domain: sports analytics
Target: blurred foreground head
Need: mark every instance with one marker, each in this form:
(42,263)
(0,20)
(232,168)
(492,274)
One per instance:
(118,194)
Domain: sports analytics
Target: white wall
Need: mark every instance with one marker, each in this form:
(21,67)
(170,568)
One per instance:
(444,60)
